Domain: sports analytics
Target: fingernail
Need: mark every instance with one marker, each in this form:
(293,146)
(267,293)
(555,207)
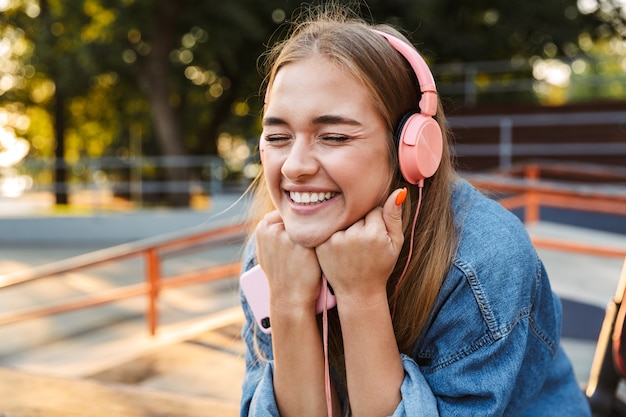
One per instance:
(401,197)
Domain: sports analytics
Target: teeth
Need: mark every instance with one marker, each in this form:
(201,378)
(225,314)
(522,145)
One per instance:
(305,198)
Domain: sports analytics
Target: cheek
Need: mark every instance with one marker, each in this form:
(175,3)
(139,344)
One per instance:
(271,172)
(369,184)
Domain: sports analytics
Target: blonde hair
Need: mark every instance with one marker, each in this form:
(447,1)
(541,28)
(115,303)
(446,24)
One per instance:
(347,40)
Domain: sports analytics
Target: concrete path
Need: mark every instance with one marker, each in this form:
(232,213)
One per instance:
(189,356)
(585,284)
(94,342)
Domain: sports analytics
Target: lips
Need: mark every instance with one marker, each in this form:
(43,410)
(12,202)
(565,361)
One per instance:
(309,198)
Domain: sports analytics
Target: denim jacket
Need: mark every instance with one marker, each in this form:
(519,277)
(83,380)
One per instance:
(491,345)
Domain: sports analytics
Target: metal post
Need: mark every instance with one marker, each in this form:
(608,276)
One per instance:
(153,282)
(136,167)
(471,91)
(506,143)
(531,212)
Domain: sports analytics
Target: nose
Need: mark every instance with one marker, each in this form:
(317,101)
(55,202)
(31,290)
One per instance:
(301,160)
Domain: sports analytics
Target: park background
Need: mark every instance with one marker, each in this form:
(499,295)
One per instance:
(129,133)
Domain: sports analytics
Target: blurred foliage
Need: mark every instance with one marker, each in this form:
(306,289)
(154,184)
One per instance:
(162,77)
(482,30)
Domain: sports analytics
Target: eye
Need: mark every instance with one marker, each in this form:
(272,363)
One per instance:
(275,138)
(334,138)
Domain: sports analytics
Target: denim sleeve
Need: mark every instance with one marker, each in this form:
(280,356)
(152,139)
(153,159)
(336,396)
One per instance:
(475,361)
(257,395)
(257,398)
(481,383)
(417,397)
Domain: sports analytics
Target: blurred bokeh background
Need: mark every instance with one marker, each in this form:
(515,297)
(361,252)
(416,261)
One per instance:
(128,135)
(137,103)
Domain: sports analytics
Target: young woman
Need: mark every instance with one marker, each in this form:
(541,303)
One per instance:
(442,305)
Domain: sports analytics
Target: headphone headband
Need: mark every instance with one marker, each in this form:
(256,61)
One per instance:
(428,102)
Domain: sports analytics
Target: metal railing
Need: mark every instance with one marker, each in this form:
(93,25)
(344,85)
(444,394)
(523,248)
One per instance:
(152,250)
(131,176)
(530,194)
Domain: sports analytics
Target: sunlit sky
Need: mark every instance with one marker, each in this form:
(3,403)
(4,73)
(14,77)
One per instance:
(590,6)
(12,149)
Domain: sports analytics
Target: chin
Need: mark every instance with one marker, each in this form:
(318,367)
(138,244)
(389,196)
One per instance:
(307,239)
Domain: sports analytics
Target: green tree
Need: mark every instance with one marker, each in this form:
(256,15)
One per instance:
(456,30)
(59,67)
(183,72)
(195,63)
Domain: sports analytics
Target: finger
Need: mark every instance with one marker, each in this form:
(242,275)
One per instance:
(273,217)
(392,214)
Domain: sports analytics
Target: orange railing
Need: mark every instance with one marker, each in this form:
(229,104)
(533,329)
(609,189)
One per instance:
(529,193)
(152,250)
(512,192)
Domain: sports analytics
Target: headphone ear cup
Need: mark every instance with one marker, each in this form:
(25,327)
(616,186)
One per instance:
(420,146)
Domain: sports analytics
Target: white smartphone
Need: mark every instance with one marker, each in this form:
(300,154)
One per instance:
(257,291)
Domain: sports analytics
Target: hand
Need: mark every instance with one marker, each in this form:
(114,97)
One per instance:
(359,260)
(292,271)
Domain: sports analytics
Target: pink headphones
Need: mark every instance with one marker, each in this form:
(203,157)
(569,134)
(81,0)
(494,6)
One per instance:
(420,142)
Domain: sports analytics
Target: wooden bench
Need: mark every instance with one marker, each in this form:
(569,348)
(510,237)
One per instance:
(609,362)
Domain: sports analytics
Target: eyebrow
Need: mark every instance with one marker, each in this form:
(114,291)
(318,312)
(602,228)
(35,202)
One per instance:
(321,120)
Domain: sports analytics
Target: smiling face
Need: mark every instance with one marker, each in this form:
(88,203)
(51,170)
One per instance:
(325,151)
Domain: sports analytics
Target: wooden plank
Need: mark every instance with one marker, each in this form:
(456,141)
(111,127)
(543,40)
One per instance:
(29,395)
